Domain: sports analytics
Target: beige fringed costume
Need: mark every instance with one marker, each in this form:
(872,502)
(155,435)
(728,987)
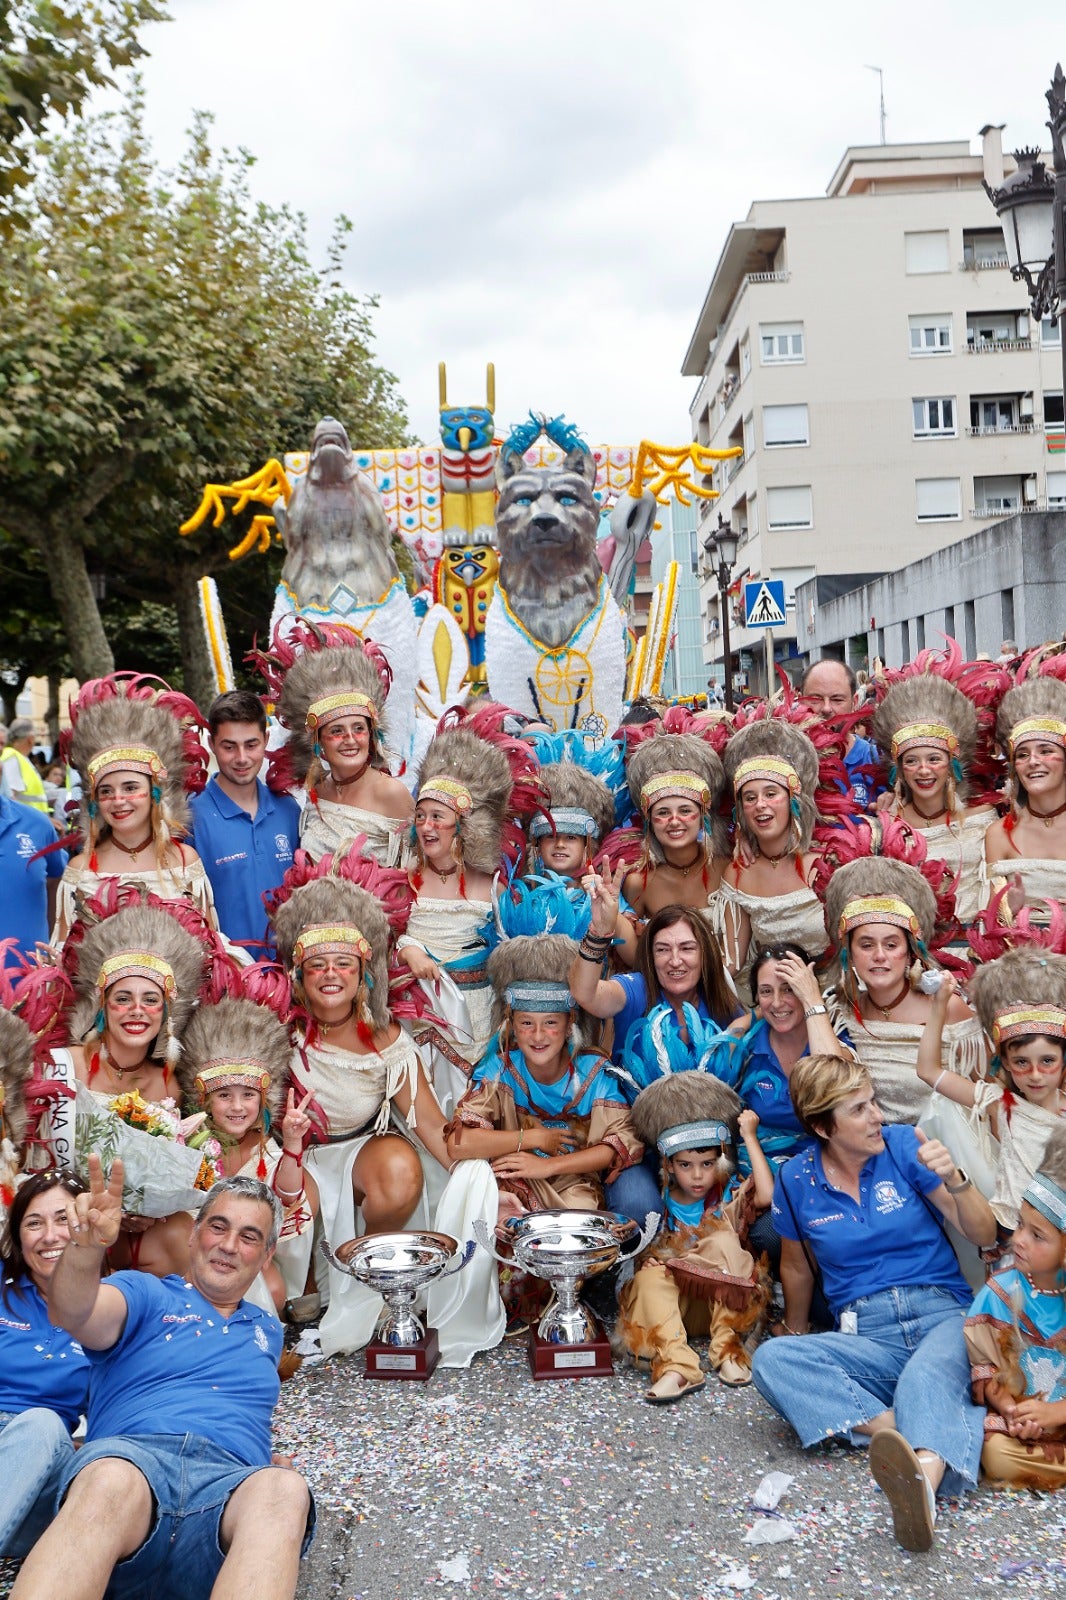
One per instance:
(698,1280)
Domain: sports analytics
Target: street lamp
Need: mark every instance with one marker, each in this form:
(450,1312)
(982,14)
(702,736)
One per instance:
(1032,211)
(721,548)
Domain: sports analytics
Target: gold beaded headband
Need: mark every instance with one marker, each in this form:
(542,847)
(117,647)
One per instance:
(1049,728)
(1020,1020)
(449,792)
(674,785)
(869,908)
(125,758)
(136,964)
(328,938)
(222,1074)
(335,705)
(772,769)
(937,734)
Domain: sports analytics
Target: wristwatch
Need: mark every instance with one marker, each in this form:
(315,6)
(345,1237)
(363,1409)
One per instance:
(958,1188)
(816,1011)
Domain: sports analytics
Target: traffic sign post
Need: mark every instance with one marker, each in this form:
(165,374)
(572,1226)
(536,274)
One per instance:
(764,607)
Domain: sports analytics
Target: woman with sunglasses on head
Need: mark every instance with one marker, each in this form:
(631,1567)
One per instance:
(44,1374)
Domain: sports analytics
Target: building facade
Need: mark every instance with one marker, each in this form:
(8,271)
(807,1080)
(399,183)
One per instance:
(872,357)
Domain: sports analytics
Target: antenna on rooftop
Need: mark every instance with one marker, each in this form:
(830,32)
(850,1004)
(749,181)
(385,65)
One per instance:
(881,78)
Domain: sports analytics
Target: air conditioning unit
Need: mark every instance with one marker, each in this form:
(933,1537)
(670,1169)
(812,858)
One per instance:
(1025,408)
(1029,491)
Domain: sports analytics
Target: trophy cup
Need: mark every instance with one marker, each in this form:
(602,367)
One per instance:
(565,1248)
(397,1266)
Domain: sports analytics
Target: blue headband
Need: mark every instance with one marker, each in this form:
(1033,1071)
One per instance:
(571,821)
(1045,1196)
(692,1136)
(551,997)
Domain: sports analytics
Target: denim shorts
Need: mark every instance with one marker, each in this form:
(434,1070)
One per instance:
(191,1480)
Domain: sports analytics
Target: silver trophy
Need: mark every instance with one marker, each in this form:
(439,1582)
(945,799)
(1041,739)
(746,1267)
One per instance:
(565,1248)
(398,1266)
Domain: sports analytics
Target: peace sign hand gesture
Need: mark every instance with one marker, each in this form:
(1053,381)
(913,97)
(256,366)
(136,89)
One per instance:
(605,890)
(94,1219)
(296,1125)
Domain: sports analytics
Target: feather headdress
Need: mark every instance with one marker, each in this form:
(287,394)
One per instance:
(876,889)
(130,722)
(235,1042)
(327,912)
(532,974)
(654,1046)
(982,685)
(779,752)
(1022,992)
(676,764)
(926,710)
(472,778)
(687,1111)
(1034,709)
(607,763)
(579,804)
(16,1069)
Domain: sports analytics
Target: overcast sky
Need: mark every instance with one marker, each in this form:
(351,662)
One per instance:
(548,186)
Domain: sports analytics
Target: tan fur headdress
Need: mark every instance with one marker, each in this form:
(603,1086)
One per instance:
(235,1042)
(579,802)
(335,674)
(328,913)
(472,778)
(1035,708)
(875,889)
(927,710)
(686,1111)
(16,1069)
(1047,1190)
(677,764)
(126,723)
(144,942)
(532,973)
(1022,992)
(777,752)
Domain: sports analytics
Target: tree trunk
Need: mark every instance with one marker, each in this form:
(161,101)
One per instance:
(51,716)
(90,653)
(196,665)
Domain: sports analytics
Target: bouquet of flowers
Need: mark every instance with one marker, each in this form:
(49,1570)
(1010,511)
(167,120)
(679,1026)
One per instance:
(169,1161)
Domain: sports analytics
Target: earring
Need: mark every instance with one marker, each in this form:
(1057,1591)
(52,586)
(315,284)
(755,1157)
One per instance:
(100,1023)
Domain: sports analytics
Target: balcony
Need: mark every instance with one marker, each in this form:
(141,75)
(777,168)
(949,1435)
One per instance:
(1028,426)
(983,263)
(984,347)
(987,513)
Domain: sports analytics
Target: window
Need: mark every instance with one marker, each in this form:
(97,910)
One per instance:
(1050,334)
(934,418)
(985,329)
(1056,491)
(749,435)
(983,247)
(745,358)
(994,413)
(785,425)
(926,252)
(931,335)
(938,499)
(1053,411)
(789,508)
(781,341)
(997,496)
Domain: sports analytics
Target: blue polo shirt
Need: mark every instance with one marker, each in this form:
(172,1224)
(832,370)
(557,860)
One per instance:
(180,1366)
(889,1240)
(24,902)
(865,786)
(39,1365)
(244,857)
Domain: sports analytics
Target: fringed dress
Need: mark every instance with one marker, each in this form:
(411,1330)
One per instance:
(328,828)
(1016,1335)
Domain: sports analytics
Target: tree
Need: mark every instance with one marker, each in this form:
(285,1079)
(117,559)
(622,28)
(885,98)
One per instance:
(51,57)
(157,332)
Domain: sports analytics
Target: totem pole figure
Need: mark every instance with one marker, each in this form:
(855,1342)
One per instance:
(465,578)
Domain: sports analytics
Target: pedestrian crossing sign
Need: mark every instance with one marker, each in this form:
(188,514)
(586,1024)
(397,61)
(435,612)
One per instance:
(764,603)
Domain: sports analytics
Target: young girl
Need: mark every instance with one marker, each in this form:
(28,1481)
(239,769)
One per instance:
(698,1277)
(1021,1001)
(541,1109)
(1016,1337)
(234,1066)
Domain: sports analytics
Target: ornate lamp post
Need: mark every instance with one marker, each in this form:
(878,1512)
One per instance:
(721,549)
(1031,206)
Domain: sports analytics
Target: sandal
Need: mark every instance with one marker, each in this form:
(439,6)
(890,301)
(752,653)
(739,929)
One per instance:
(898,1472)
(734,1374)
(669,1397)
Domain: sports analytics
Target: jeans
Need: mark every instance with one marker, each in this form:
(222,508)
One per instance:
(191,1480)
(636,1190)
(34,1449)
(908,1356)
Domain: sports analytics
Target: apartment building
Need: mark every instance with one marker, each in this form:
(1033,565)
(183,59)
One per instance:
(871,355)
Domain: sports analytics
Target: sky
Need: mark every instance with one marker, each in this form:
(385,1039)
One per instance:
(548,186)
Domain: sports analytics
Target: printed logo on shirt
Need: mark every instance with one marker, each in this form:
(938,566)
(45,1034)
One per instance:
(887,1197)
(238,855)
(283,847)
(830,1216)
(22,1327)
(171,1316)
(26,846)
(261,1339)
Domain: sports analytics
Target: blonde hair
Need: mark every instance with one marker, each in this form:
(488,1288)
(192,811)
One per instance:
(818,1085)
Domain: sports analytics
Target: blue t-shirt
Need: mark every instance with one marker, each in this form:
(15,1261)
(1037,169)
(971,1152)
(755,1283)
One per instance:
(24,903)
(889,1240)
(864,785)
(244,857)
(39,1365)
(180,1366)
(636,1007)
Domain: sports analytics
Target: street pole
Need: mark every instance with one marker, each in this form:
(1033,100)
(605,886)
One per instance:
(1056,101)
(723,612)
(768,645)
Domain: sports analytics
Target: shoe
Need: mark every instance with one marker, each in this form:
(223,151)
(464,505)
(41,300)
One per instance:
(516,1326)
(670,1396)
(302,1308)
(734,1374)
(898,1472)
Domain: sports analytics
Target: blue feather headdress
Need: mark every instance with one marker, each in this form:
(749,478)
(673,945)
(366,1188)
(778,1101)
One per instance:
(655,1048)
(607,763)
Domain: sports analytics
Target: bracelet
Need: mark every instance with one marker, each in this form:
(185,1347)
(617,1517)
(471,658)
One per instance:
(597,961)
(299,1159)
(959,1188)
(940,1080)
(816,1011)
(797,1333)
(518,1146)
(601,940)
(288,1194)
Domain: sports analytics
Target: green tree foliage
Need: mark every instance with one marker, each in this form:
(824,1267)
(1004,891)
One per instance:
(159,331)
(52,56)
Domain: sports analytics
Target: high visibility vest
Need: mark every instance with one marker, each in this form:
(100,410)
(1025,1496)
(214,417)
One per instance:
(31,785)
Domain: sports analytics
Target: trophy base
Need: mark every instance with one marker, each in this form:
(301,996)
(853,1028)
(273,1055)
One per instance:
(591,1359)
(413,1362)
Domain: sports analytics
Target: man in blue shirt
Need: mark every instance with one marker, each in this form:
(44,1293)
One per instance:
(244,835)
(830,687)
(27,905)
(174,1488)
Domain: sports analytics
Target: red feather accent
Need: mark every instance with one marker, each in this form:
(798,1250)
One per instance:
(146,687)
(261,1166)
(622,847)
